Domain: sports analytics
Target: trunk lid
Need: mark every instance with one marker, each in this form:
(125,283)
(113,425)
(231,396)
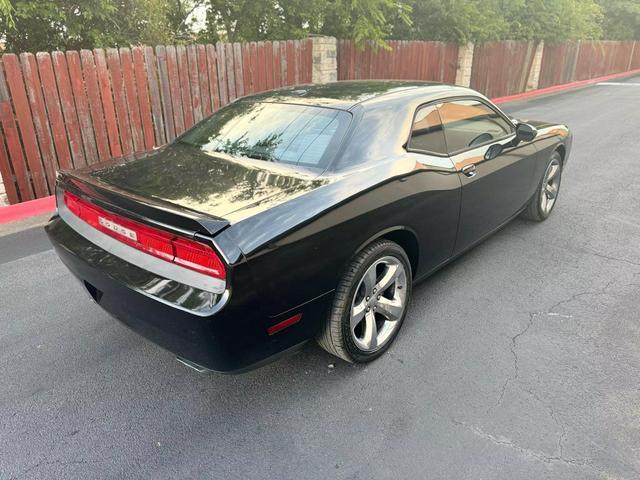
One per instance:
(216,186)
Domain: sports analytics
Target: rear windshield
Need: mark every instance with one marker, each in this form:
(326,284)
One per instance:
(275,132)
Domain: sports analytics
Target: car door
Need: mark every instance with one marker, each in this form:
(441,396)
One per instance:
(493,189)
(437,188)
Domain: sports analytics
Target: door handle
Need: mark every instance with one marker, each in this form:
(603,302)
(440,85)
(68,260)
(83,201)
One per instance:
(469,170)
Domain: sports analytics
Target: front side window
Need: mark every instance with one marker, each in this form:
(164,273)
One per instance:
(274,132)
(426,133)
(470,123)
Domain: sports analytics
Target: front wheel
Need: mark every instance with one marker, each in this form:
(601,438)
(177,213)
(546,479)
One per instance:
(542,203)
(370,303)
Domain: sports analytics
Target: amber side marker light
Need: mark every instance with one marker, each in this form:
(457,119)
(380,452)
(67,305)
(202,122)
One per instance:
(273,329)
(153,241)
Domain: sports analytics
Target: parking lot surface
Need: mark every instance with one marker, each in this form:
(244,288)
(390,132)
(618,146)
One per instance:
(520,360)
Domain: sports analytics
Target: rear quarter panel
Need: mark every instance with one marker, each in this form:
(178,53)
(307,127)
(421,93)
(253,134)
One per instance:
(299,250)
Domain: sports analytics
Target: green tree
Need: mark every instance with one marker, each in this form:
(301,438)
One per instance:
(365,19)
(43,25)
(453,20)
(621,19)
(553,20)
(246,20)
(6,13)
(482,20)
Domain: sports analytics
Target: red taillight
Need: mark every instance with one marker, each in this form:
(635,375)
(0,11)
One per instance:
(197,256)
(182,251)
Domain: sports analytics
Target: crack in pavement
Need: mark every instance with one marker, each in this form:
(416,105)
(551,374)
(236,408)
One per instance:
(601,291)
(532,315)
(516,368)
(582,249)
(608,257)
(523,451)
(552,414)
(514,341)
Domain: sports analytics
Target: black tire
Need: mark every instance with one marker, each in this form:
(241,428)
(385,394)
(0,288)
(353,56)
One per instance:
(336,336)
(534,210)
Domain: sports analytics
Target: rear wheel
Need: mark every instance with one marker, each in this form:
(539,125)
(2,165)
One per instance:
(544,200)
(370,304)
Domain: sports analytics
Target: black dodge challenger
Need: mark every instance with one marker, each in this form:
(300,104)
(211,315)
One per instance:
(299,213)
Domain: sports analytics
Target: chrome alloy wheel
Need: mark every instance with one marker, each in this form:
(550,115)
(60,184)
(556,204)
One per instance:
(550,186)
(378,304)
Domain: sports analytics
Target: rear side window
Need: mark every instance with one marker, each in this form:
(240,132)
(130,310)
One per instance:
(426,133)
(470,123)
(274,132)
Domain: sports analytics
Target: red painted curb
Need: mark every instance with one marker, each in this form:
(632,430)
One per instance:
(564,86)
(31,208)
(44,205)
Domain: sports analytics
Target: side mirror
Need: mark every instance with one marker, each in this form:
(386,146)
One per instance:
(525,132)
(493,151)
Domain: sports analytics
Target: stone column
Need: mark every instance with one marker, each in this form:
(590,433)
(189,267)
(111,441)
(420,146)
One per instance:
(465,63)
(324,55)
(536,66)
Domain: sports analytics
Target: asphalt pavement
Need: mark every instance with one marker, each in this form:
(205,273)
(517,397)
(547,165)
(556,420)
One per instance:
(520,360)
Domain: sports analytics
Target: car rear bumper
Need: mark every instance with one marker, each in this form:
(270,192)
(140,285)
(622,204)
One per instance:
(233,339)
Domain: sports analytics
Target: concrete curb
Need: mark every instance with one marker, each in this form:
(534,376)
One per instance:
(561,88)
(32,208)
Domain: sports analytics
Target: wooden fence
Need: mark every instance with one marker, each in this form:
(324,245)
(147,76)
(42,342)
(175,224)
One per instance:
(408,60)
(502,68)
(71,109)
(499,68)
(566,62)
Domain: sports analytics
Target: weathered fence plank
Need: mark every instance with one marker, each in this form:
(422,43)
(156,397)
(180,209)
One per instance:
(194,83)
(95,104)
(185,86)
(107,102)
(68,108)
(175,90)
(131,96)
(165,89)
(238,72)
(7,175)
(212,69)
(230,69)
(143,97)
(18,93)
(221,66)
(40,119)
(14,145)
(119,100)
(82,107)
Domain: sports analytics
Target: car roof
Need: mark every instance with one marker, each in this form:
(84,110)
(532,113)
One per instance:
(345,95)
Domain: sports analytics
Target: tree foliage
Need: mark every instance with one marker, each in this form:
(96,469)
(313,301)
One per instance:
(555,21)
(242,20)
(482,20)
(41,25)
(621,19)
(35,25)
(452,20)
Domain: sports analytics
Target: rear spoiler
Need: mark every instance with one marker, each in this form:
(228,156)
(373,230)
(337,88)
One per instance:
(147,209)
